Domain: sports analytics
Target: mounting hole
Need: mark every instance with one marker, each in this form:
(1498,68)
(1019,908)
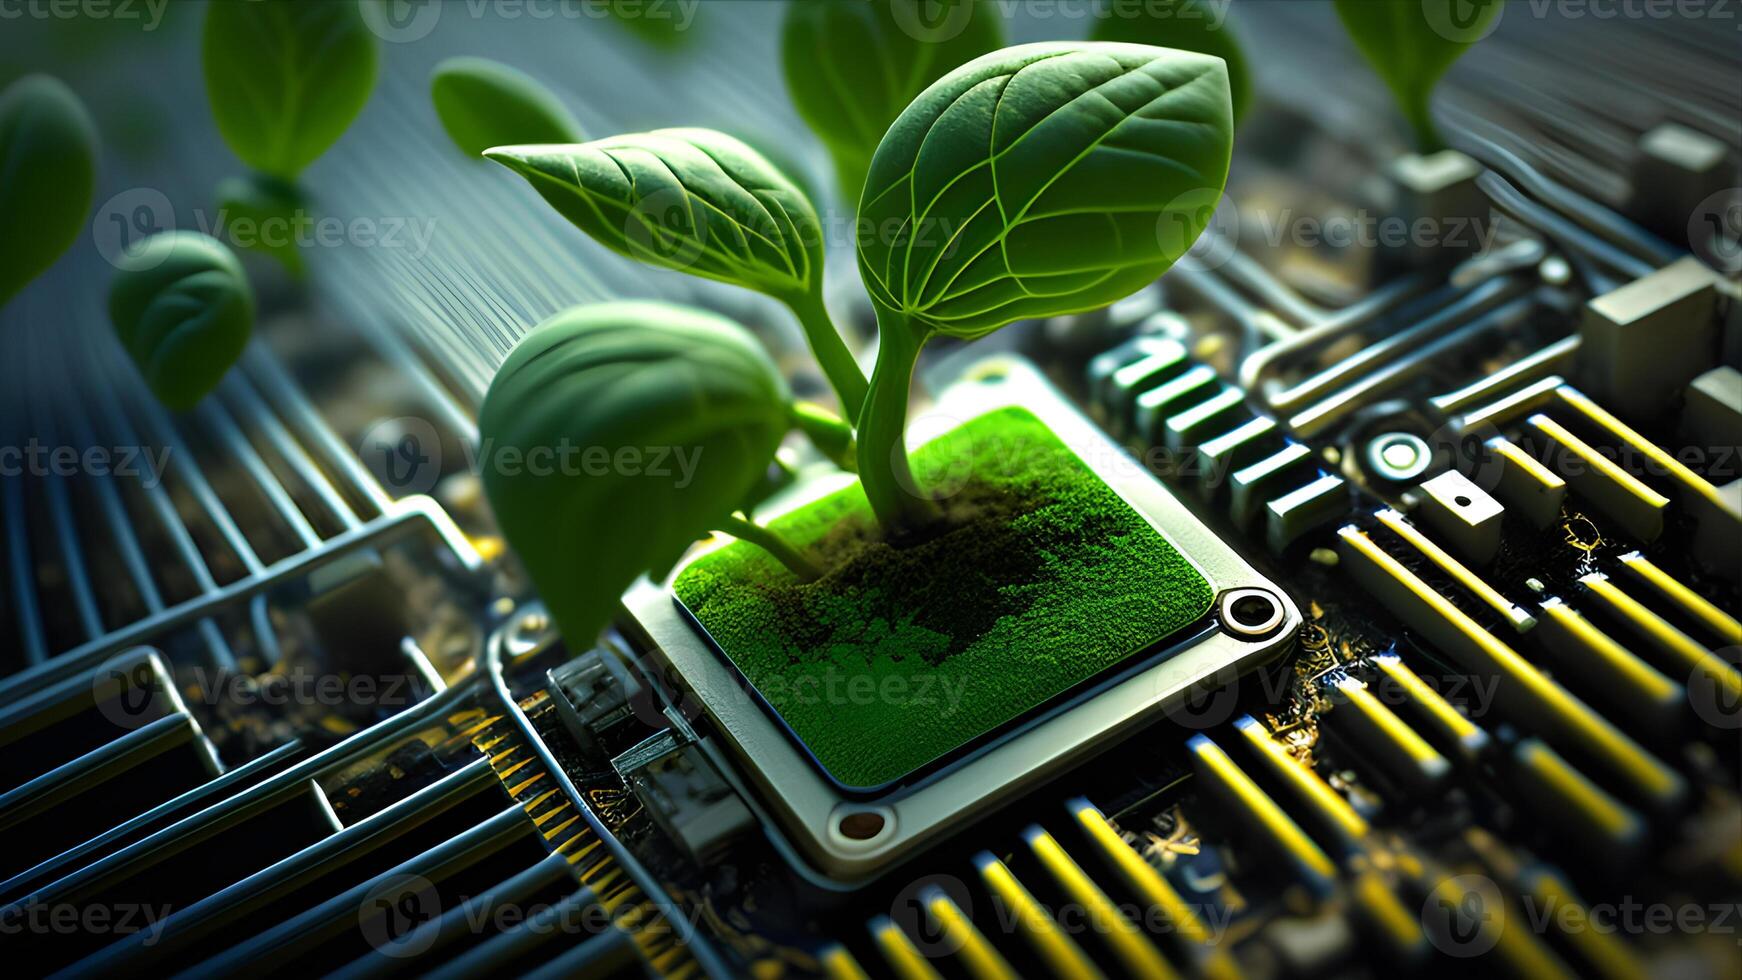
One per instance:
(1461,500)
(861,826)
(864,825)
(1251,614)
(1398,456)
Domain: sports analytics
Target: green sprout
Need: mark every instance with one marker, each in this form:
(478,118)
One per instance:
(285,80)
(1036,181)
(183,310)
(670,414)
(701,202)
(852,66)
(484,103)
(1411,47)
(48,151)
(1189,25)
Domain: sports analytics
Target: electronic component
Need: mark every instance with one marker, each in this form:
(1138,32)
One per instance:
(851,832)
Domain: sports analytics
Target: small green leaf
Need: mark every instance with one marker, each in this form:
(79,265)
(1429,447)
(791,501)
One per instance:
(271,210)
(616,435)
(851,66)
(286,78)
(1411,45)
(695,200)
(1190,25)
(484,103)
(701,202)
(1043,179)
(183,310)
(48,151)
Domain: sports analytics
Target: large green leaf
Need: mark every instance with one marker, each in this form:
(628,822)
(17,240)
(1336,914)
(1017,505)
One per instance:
(1034,181)
(695,200)
(1411,44)
(1043,179)
(484,103)
(48,150)
(851,66)
(183,310)
(616,435)
(1190,25)
(286,77)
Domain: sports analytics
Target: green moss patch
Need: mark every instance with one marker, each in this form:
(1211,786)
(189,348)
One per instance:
(1040,578)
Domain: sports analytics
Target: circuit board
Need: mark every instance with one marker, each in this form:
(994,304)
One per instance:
(1402,629)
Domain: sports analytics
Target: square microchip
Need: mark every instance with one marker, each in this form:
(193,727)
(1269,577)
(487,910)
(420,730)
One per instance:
(1073,599)
(897,659)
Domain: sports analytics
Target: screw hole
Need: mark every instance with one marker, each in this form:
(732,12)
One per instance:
(1251,614)
(1251,610)
(861,825)
(1461,500)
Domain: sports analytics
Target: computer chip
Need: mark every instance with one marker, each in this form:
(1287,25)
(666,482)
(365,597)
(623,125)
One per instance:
(1074,599)
(900,656)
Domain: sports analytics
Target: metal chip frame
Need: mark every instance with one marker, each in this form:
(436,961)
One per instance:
(826,826)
